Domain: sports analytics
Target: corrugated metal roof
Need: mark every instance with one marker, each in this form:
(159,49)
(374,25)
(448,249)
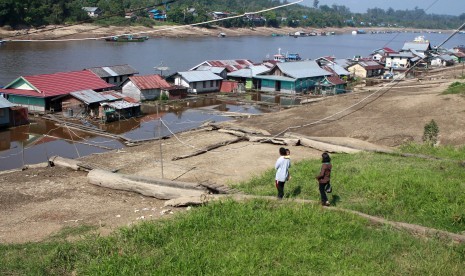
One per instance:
(149,82)
(273,77)
(334,79)
(249,72)
(62,83)
(113,71)
(401,54)
(88,96)
(196,76)
(302,69)
(4,103)
(370,65)
(230,64)
(121,104)
(216,70)
(417,46)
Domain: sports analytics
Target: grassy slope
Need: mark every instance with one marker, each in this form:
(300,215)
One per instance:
(278,238)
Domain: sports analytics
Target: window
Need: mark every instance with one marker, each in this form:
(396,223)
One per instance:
(211,83)
(194,85)
(115,79)
(204,84)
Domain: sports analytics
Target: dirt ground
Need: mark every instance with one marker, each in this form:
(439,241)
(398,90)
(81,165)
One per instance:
(35,204)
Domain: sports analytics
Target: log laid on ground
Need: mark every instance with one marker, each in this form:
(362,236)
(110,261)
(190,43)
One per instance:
(247,130)
(208,148)
(308,142)
(158,188)
(274,140)
(64,162)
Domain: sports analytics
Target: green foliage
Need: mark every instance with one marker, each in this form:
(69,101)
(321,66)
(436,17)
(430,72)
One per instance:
(413,190)
(36,13)
(431,133)
(230,238)
(455,88)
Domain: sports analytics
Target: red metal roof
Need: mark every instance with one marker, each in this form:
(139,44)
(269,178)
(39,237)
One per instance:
(63,83)
(149,82)
(335,79)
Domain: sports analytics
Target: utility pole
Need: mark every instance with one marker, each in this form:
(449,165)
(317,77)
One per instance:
(159,139)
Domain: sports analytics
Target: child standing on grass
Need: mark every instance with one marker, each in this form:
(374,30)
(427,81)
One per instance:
(324,177)
(282,172)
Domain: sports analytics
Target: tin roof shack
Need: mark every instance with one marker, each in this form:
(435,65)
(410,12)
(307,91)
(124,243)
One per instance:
(143,88)
(116,74)
(292,77)
(366,69)
(118,110)
(82,104)
(198,81)
(44,93)
(220,71)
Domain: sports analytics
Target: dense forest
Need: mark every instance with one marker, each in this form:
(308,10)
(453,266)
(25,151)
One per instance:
(35,13)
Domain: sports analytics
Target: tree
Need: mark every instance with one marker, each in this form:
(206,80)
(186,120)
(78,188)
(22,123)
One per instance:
(431,133)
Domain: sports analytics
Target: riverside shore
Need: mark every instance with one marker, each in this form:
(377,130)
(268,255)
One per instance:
(93,31)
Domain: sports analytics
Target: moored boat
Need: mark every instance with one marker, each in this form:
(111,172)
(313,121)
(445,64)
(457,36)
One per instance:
(127,38)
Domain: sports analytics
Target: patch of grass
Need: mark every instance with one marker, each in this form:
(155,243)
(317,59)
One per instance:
(71,232)
(413,190)
(455,88)
(231,238)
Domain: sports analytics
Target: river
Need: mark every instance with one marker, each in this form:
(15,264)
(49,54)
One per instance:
(179,54)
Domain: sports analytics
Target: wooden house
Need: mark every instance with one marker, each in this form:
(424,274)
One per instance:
(82,104)
(12,115)
(366,69)
(198,81)
(246,76)
(175,92)
(292,77)
(115,75)
(143,88)
(44,93)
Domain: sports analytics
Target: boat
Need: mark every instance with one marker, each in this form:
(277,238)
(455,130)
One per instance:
(127,38)
(221,35)
(1,42)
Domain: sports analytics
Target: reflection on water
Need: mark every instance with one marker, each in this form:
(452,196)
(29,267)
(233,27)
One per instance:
(42,139)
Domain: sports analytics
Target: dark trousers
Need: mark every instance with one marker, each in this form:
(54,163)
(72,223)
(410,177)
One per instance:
(324,198)
(280,187)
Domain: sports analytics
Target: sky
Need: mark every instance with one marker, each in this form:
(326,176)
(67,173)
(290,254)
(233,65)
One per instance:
(450,7)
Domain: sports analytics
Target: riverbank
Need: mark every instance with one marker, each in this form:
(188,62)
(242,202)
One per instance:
(37,203)
(92,31)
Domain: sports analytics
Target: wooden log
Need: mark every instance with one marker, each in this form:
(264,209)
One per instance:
(64,162)
(161,189)
(307,142)
(273,140)
(247,130)
(208,148)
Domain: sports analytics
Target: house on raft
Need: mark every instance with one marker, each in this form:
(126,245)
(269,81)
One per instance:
(144,88)
(246,75)
(44,93)
(12,115)
(198,81)
(104,106)
(292,77)
(115,75)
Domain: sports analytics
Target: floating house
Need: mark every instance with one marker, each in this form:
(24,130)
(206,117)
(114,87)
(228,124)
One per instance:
(198,81)
(12,115)
(246,75)
(366,69)
(44,93)
(115,75)
(143,88)
(292,77)
(104,106)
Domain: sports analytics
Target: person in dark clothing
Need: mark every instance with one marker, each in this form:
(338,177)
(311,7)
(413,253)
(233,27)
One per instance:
(324,177)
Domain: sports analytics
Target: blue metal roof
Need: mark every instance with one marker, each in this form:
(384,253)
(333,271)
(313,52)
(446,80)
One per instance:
(302,69)
(4,103)
(197,76)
